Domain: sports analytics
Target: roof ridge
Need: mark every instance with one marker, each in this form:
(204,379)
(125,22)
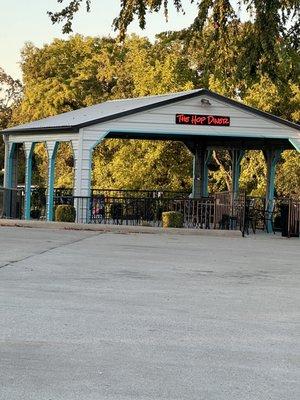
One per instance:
(153,96)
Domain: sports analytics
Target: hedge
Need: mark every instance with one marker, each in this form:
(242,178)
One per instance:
(65,213)
(172,219)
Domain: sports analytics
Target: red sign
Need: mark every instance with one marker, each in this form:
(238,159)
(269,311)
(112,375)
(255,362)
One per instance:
(195,119)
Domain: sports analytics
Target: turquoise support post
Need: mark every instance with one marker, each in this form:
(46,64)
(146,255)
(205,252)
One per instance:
(207,159)
(196,175)
(10,151)
(272,157)
(9,173)
(236,158)
(7,166)
(28,147)
(201,159)
(52,150)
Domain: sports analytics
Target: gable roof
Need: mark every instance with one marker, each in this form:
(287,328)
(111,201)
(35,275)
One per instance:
(72,121)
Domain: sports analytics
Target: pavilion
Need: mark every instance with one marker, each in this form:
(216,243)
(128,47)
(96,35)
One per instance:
(201,119)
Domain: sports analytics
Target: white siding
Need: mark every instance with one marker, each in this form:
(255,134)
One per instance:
(42,137)
(162,120)
(83,160)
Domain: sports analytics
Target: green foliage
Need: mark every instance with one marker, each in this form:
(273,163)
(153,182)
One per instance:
(64,166)
(253,173)
(65,213)
(78,72)
(288,175)
(222,54)
(10,92)
(172,219)
(142,164)
(40,165)
(70,74)
(272,18)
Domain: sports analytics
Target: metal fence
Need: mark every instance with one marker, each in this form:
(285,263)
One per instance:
(293,218)
(204,213)
(282,214)
(135,193)
(122,207)
(223,210)
(11,203)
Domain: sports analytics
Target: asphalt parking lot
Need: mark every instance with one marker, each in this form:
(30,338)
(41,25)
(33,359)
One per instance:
(92,316)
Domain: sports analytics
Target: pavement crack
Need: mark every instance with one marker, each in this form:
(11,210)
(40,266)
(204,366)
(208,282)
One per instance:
(10,263)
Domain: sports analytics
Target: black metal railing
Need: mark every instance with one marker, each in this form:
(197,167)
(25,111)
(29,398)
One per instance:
(203,213)
(38,203)
(134,193)
(197,213)
(11,203)
(126,210)
(224,210)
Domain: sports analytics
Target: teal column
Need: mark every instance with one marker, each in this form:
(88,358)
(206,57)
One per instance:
(7,168)
(206,159)
(236,158)
(272,157)
(52,150)
(10,151)
(201,159)
(28,148)
(196,193)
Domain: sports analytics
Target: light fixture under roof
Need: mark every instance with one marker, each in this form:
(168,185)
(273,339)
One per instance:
(205,102)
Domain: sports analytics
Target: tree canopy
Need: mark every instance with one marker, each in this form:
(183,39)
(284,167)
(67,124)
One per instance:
(80,71)
(272,18)
(10,95)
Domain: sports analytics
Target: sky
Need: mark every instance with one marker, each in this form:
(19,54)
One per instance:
(27,21)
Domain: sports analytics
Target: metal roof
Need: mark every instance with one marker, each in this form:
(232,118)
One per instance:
(73,120)
(295,143)
(109,110)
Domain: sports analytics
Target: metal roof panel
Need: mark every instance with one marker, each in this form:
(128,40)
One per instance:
(113,109)
(296,143)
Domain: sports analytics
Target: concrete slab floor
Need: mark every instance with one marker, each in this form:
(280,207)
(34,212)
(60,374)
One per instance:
(90,315)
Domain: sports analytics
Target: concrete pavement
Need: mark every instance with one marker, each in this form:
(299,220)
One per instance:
(90,315)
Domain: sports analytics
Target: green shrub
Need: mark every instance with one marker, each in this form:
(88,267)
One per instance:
(172,219)
(65,213)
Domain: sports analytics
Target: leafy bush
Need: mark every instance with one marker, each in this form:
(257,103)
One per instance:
(172,219)
(65,213)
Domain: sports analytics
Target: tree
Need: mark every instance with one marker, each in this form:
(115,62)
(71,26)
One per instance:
(10,94)
(273,19)
(78,72)
(81,71)
(142,164)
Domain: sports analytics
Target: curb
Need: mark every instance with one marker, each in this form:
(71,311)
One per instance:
(121,229)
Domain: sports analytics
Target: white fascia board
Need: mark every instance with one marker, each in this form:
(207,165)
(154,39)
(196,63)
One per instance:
(296,143)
